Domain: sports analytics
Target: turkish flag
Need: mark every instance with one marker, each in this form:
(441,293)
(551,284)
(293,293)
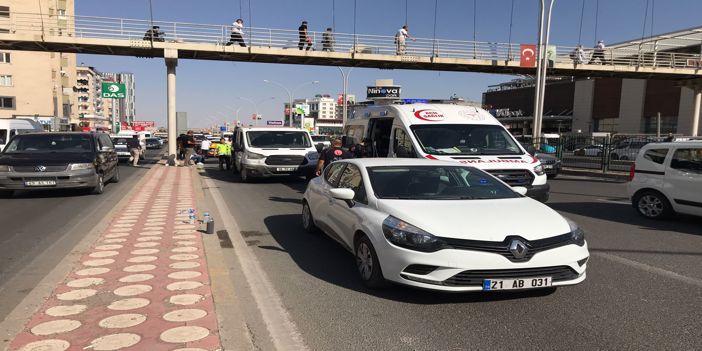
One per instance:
(527,55)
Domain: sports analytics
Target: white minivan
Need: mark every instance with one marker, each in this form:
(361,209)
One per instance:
(463,134)
(13,126)
(273,152)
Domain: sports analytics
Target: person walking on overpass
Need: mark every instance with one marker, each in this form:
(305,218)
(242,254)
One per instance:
(224,152)
(304,37)
(134,147)
(599,53)
(155,34)
(328,40)
(237,33)
(401,39)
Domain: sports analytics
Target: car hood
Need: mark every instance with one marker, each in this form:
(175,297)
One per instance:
(47,159)
(546,157)
(490,220)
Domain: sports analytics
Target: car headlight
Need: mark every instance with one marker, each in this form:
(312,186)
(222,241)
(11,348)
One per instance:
(539,170)
(577,235)
(253,156)
(4,168)
(78,166)
(313,155)
(410,237)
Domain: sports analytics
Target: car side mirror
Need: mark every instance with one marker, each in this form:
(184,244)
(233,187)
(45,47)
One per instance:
(344,194)
(319,147)
(520,190)
(530,149)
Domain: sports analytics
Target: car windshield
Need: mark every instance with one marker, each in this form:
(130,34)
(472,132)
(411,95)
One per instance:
(120,141)
(40,143)
(436,183)
(278,139)
(319,138)
(465,139)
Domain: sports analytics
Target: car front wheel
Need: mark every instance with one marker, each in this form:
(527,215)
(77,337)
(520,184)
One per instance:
(367,264)
(100,186)
(244,174)
(652,204)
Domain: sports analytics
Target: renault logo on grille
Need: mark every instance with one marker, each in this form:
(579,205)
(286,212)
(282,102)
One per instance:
(518,248)
(40,168)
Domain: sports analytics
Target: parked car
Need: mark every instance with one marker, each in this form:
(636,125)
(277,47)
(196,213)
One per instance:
(442,225)
(627,149)
(153,143)
(273,152)
(589,150)
(550,163)
(321,139)
(58,160)
(666,178)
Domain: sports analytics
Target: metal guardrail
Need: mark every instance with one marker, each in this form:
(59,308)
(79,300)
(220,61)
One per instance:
(134,30)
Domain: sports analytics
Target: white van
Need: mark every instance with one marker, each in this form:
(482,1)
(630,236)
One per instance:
(463,134)
(272,152)
(12,126)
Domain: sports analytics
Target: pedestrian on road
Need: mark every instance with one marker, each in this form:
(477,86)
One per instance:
(188,146)
(331,154)
(237,33)
(180,144)
(401,39)
(671,137)
(360,150)
(328,40)
(134,147)
(205,147)
(224,152)
(304,37)
(599,53)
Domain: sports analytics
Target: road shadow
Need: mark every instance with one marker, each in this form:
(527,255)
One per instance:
(625,214)
(325,259)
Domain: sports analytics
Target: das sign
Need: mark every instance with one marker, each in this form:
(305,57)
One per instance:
(113,91)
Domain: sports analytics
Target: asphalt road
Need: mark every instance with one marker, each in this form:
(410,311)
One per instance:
(37,229)
(643,291)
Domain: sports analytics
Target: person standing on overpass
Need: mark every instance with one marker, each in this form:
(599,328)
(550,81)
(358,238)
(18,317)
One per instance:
(599,53)
(328,40)
(401,39)
(304,37)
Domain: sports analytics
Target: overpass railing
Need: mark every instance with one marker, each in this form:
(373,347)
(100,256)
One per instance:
(134,30)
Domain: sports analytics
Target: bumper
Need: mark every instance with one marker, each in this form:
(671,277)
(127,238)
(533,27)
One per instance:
(268,171)
(64,180)
(454,266)
(553,170)
(539,192)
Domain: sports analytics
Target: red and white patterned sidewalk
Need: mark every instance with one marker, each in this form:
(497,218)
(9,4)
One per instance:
(142,286)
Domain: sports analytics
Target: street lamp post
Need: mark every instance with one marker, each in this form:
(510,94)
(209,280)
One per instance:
(290,96)
(541,65)
(345,83)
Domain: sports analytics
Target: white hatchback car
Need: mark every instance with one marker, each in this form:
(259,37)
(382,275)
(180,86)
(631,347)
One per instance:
(667,178)
(444,226)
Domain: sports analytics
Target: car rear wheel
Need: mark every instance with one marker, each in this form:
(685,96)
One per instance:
(115,177)
(652,204)
(367,264)
(308,220)
(100,187)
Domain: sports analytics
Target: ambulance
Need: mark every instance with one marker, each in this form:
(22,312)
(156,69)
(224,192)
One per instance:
(463,134)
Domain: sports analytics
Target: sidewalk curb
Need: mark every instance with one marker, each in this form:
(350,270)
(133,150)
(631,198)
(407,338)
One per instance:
(233,331)
(20,315)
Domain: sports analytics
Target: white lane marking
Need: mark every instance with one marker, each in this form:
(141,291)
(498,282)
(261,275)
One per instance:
(621,202)
(282,329)
(650,269)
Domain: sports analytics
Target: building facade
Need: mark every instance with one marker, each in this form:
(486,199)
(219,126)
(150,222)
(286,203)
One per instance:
(39,85)
(94,112)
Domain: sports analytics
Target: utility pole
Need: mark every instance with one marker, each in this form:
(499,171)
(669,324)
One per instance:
(541,67)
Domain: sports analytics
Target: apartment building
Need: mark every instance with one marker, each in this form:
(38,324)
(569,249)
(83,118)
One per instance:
(94,112)
(39,85)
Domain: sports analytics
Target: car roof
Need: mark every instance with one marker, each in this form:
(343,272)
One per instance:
(692,143)
(377,161)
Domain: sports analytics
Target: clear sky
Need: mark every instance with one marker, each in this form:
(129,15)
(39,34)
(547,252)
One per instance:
(207,87)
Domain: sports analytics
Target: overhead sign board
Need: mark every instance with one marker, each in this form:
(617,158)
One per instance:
(274,123)
(385,92)
(114,91)
(302,109)
(145,124)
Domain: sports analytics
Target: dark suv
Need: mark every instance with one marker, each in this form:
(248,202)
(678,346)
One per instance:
(58,161)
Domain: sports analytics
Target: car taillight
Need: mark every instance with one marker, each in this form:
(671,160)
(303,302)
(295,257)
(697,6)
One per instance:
(632,171)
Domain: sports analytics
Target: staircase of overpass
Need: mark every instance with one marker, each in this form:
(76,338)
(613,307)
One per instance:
(120,36)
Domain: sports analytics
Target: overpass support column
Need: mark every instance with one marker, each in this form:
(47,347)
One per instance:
(696,111)
(171,57)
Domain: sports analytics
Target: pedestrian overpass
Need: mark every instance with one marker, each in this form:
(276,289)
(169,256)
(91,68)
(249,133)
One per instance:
(119,36)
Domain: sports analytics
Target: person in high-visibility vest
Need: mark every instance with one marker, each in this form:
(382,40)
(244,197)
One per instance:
(224,151)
